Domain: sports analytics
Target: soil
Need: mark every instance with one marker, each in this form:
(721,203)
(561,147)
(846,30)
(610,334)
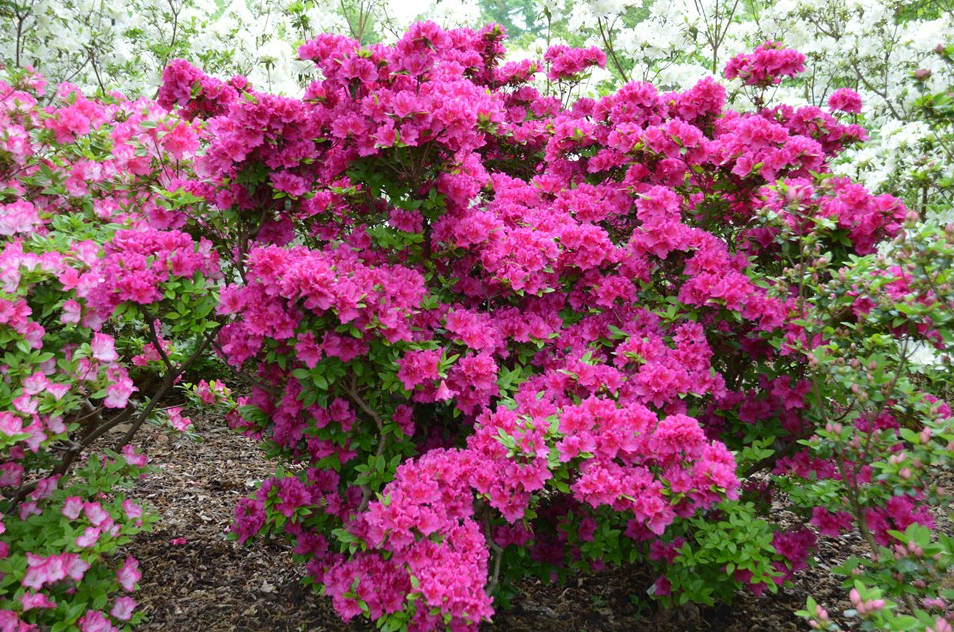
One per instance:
(196,579)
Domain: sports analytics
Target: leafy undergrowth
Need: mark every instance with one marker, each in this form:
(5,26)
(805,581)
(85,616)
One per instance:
(193,578)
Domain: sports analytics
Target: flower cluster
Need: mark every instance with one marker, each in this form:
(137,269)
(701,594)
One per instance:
(766,65)
(565,62)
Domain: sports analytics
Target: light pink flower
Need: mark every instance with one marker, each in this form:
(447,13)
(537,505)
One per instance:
(129,574)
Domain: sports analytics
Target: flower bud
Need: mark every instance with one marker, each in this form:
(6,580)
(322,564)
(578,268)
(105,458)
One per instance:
(855,598)
(941,625)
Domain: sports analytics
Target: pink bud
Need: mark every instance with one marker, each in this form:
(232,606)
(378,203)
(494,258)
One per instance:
(855,598)
(941,625)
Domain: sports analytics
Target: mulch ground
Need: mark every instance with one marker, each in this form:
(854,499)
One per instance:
(213,584)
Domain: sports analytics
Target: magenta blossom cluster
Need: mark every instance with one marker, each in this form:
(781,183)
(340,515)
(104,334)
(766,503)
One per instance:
(565,62)
(845,100)
(766,65)
(499,334)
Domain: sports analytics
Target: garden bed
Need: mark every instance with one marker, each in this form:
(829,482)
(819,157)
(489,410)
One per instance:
(194,578)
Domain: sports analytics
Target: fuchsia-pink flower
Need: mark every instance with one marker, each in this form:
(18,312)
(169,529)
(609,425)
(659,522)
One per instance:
(419,367)
(181,141)
(845,100)
(565,62)
(766,65)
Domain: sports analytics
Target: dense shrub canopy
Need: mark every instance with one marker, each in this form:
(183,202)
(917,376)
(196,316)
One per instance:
(494,331)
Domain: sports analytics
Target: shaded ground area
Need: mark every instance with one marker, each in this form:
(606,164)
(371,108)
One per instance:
(212,584)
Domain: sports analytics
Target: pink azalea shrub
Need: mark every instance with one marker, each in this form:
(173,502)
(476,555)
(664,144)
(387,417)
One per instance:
(504,337)
(89,260)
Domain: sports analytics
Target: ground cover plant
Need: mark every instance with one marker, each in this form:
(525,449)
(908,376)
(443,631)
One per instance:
(494,332)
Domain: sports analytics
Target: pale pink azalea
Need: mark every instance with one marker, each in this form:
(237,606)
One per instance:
(26,404)
(72,312)
(118,393)
(76,566)
(128,574)
(134,458)
(27,509)
(31,600)
(37,436)
(103,348)
(123,608)
(58,390)
(10,424)
(88,538)
(35,383)
(176,419)
(133,511)
(44,570)
(10,621)
(18,217)
(34,335)
(45,487)
(95,621)
(10,474)
(72,507)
